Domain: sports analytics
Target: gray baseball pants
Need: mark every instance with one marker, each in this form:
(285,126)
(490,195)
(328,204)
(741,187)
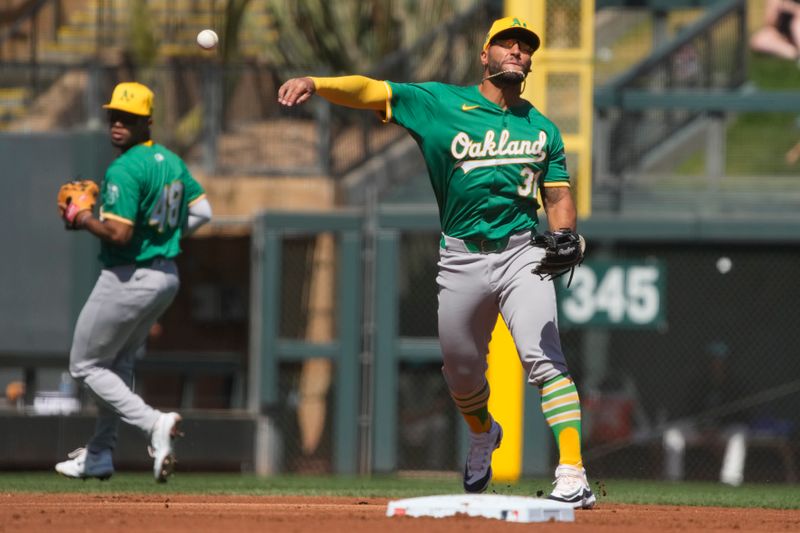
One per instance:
(110,335)
(473,288)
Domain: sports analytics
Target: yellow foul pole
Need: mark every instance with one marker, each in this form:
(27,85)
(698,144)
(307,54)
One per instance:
(507,384)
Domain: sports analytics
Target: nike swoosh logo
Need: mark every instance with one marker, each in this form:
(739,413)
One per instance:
(465,107)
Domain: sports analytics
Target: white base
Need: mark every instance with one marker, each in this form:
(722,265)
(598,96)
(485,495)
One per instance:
(507,508)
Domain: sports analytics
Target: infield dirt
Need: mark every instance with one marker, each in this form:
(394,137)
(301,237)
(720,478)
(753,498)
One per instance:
(134,513)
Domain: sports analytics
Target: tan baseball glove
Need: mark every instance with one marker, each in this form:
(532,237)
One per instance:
(76,196)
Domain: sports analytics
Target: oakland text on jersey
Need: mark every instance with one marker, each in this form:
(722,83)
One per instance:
(463,146)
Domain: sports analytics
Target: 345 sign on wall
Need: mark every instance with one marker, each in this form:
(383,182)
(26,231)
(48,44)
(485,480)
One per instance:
(614,293)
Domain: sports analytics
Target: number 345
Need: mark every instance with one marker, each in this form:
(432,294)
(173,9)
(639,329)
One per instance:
(628,293)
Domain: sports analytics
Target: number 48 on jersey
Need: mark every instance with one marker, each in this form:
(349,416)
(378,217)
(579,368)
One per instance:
(166,214)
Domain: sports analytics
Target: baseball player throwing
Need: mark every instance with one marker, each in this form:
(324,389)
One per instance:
(488,152)
(149,201)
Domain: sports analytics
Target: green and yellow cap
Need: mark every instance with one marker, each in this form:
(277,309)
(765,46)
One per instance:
(132,97)
(512,27)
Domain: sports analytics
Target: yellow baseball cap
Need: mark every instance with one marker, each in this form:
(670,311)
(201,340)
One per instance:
(514,26)
(132,97)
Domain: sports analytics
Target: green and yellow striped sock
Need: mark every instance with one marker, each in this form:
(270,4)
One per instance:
(475,409)
(562,410)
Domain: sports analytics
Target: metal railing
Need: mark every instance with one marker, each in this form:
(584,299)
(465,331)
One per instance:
(708,56)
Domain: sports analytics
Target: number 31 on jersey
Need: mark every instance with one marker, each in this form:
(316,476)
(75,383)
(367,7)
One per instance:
(530,182)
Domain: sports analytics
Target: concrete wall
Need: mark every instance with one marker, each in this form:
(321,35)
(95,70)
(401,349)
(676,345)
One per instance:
(46,271)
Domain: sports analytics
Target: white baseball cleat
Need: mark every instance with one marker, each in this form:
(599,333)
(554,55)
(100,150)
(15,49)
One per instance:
(478,470)
(572,487)
(83,464)
(161,445)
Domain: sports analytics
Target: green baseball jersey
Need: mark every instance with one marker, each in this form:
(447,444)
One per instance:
(485,163)
(150,188)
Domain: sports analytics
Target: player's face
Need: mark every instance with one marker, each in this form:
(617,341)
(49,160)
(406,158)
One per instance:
(127,129)
(510,56)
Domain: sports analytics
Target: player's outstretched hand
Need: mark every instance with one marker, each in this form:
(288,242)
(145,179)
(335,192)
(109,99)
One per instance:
(296,91)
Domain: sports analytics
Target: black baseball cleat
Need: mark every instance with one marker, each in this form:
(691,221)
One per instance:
(478,470)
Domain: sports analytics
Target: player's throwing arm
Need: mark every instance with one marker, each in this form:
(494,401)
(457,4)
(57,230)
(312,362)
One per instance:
(296,91)
(487,150)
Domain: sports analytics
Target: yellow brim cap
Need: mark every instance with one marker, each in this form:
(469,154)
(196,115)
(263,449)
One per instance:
(131,97)
(515,25)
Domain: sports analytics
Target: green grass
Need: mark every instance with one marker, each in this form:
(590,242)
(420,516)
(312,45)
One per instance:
(756,146)
(757,142)
(770,73)
(612,491)
(701,494)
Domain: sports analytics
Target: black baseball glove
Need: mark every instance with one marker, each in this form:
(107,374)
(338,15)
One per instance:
(563,251)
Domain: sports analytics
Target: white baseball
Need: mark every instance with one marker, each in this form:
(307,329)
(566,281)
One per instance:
(724,264)
(207,39)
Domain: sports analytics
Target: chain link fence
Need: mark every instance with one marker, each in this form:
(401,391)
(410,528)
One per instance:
(670,367)
(723,357)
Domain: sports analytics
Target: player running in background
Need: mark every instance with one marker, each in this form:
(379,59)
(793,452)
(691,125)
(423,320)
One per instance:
(149,202)
(488,153)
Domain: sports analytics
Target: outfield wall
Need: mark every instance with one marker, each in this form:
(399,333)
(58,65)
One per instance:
(656,300)
(656,294)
